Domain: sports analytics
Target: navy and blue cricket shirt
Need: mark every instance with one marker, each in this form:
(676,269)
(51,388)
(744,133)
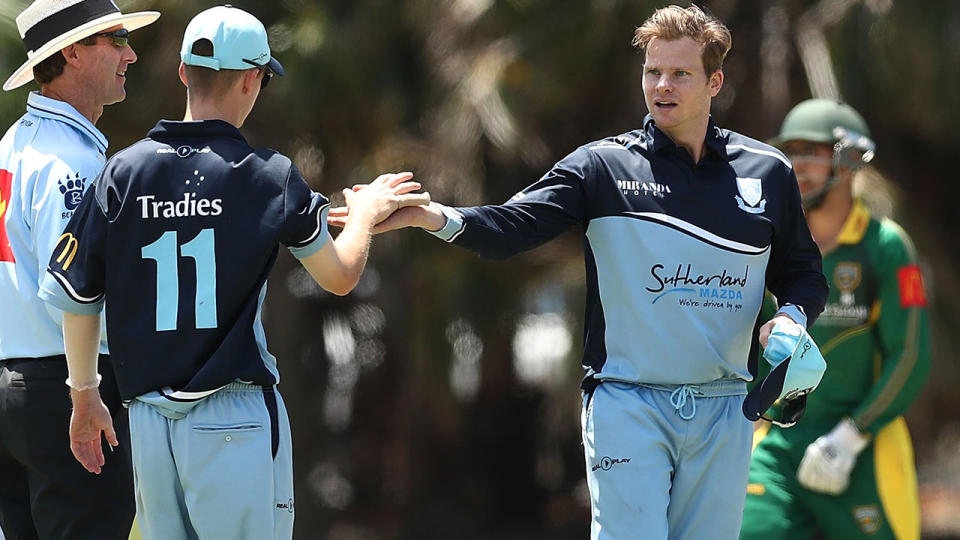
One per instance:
(178,235)
(678,253)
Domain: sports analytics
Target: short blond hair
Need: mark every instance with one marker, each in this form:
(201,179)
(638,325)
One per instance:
(674,22)
(206,83)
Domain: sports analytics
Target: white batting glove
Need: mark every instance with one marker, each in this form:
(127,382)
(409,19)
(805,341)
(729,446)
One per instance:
(827,462)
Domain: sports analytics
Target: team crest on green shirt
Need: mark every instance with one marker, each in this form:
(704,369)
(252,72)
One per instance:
(846,276)
(868,517)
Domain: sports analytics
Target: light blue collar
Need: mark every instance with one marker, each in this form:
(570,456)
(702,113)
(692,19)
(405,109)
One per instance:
(64,112)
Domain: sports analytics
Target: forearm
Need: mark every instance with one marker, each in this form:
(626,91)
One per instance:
(81,337)
(353,247)
(501,231)
(90,417)
(795,273)
(338,265)
(802,285)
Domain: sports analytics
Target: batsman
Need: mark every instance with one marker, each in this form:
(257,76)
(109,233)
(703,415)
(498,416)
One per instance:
(847,470)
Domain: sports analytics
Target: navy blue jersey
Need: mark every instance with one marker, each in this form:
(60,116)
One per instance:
(678,253)
(178,235)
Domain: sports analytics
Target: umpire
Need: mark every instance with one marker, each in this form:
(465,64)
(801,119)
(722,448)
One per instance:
(78,51)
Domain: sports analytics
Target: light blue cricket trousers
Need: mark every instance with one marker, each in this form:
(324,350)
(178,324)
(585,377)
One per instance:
(224,471)
(666,462)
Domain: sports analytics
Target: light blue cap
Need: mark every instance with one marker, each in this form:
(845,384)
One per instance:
(807,365)
(239,41)
(797,370)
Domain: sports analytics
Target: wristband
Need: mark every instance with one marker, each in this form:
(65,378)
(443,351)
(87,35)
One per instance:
(89,386)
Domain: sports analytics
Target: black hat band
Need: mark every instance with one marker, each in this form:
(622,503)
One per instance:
(65,20)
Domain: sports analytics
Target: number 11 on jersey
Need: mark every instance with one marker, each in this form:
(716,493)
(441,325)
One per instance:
(201,250)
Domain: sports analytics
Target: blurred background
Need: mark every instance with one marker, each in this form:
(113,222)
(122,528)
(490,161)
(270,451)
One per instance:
(440,399)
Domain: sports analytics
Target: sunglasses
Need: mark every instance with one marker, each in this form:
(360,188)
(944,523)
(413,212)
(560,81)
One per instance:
(267,73)
(121,37)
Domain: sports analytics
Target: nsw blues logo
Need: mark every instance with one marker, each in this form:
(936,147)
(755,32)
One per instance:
(72,190)
(750,199)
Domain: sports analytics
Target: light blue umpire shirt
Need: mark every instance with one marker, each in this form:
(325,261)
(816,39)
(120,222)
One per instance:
(48,159)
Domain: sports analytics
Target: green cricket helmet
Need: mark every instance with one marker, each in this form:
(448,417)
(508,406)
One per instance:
(833,122)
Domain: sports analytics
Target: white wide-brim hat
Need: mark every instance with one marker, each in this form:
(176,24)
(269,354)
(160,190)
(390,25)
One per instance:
(47,26)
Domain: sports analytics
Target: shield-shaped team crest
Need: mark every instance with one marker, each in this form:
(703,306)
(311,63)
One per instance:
(846,276)
(868,517)
(750,197)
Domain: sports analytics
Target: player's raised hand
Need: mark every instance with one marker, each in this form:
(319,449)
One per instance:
(385,195)
(89,420)
(338,264)
(424,216)
(412,213)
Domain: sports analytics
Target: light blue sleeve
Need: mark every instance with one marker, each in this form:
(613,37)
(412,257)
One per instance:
(56,186)
(53,291)
(795,312)
(452,228)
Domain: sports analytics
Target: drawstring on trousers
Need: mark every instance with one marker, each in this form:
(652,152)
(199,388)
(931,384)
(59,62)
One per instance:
(678,398)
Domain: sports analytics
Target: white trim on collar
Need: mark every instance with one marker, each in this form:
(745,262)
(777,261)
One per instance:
(64,112)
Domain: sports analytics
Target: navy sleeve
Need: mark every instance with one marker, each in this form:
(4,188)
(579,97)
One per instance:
(304,217)
(534,216)
(795,273)
(74,281)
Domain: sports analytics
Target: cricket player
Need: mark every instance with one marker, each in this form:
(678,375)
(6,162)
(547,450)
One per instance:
(79,53)
(684,226)
(847,470)
(194,216)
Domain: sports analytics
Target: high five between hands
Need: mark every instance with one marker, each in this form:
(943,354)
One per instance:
(404,210)
(380,200)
